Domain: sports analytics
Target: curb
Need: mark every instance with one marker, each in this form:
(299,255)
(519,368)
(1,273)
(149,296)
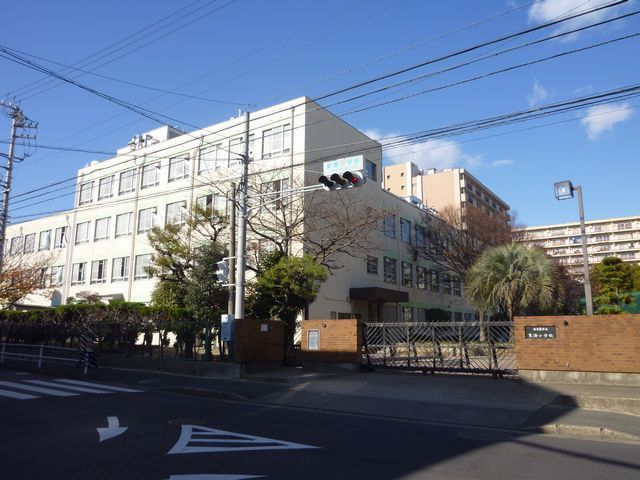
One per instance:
(624,405)
(601,433)
(204,392)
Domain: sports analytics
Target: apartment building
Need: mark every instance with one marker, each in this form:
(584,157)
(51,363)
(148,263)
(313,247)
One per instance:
(611,237)
(100,245)
(439,189)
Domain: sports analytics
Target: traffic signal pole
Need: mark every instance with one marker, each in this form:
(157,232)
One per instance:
(241,245)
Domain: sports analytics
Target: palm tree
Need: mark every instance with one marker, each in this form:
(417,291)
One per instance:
(511,277)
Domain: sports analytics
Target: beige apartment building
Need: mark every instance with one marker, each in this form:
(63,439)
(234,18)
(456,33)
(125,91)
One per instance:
(439,189)
(610,237)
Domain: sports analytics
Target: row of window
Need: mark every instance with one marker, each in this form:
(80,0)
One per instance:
(425,278)
(213,157)
(389,229)
(120,271)
(175,213)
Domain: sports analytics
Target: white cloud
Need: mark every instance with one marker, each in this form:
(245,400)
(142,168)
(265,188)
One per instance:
(538,95)
(433,153)
(543,11)
(602,118)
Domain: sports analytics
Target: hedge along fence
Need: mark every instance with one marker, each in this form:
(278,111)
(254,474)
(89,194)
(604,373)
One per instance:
(117,326)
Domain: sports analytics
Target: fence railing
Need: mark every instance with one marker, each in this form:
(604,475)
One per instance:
(38,353)
(472,347)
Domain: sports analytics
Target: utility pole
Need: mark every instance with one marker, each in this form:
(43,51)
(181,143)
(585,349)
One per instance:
(232,247)
(18,121)
(241,247)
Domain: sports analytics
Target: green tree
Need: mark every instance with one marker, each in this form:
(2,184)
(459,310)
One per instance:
(205,298)
(259,298)
(509,278)
(292,282)
(613,280)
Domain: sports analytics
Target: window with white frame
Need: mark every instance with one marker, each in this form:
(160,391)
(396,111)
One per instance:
(421,277)
(274,194)
(98,271)
(105,187)
(82,232)
(177,168)
(16,246)
(123,224)
(142,263)
(420,236)
(150,176)
(390,270)
(44,242)
(405,230)
(372,265)
(44,279)
(390,225)
(211,202)
(434,280)
(127,181)
(407,274)
(457,286)
(146,219)
(370,170)
(30,243)
(120,269)
(446,283)
(57,275)
(276,141)
(176,213)
(60,239)
(78,273)
(86,193)
(102,229)
(212,158)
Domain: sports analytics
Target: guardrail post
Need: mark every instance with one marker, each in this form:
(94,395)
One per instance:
(40,357)
(4,345)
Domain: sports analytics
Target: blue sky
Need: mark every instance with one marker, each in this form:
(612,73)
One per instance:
(234,52)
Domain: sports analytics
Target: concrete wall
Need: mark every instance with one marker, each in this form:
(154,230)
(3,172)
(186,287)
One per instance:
(601,343)
(338,341)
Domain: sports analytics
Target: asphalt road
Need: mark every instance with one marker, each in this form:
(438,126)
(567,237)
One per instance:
(174,436)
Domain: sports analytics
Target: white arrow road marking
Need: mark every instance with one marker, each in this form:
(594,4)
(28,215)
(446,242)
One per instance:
(113,429)
(197,439)
(212,476)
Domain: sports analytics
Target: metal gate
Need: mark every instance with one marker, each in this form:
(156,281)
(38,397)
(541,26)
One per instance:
(470,347)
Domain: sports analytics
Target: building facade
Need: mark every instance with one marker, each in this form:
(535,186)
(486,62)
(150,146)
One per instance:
(101,244)
(451,187)
(611,237)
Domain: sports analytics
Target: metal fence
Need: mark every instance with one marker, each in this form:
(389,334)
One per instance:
(471,347)
(38,353)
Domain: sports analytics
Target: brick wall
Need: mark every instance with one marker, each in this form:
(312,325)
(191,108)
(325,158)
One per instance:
(339,341)
(258,341)
(601,343)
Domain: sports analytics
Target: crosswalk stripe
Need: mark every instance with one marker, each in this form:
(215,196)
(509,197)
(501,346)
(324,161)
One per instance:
(68,387)
(108,387)
(19,396)
(31,388)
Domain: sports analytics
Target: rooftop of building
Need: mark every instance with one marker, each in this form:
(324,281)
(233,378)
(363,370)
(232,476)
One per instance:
(577,223)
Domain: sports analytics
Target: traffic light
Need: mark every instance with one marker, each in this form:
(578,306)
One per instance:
(344,181)
(223,271)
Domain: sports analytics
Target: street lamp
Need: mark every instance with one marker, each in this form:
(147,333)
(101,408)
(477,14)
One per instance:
(564,191)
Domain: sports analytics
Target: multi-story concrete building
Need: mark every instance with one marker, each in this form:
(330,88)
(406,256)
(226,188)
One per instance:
(454,187)
(101,245)
(611,237)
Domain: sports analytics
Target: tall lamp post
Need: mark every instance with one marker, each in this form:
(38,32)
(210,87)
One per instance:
(564,190)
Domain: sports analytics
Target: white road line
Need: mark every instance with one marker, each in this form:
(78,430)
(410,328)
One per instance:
(19,396)
(108,387)
(31,388)
(68,387)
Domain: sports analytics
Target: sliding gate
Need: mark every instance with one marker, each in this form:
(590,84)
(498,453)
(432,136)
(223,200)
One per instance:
(469,347)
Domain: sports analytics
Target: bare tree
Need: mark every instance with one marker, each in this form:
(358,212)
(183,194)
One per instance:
(22,275)
(455,240)
(324,225)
